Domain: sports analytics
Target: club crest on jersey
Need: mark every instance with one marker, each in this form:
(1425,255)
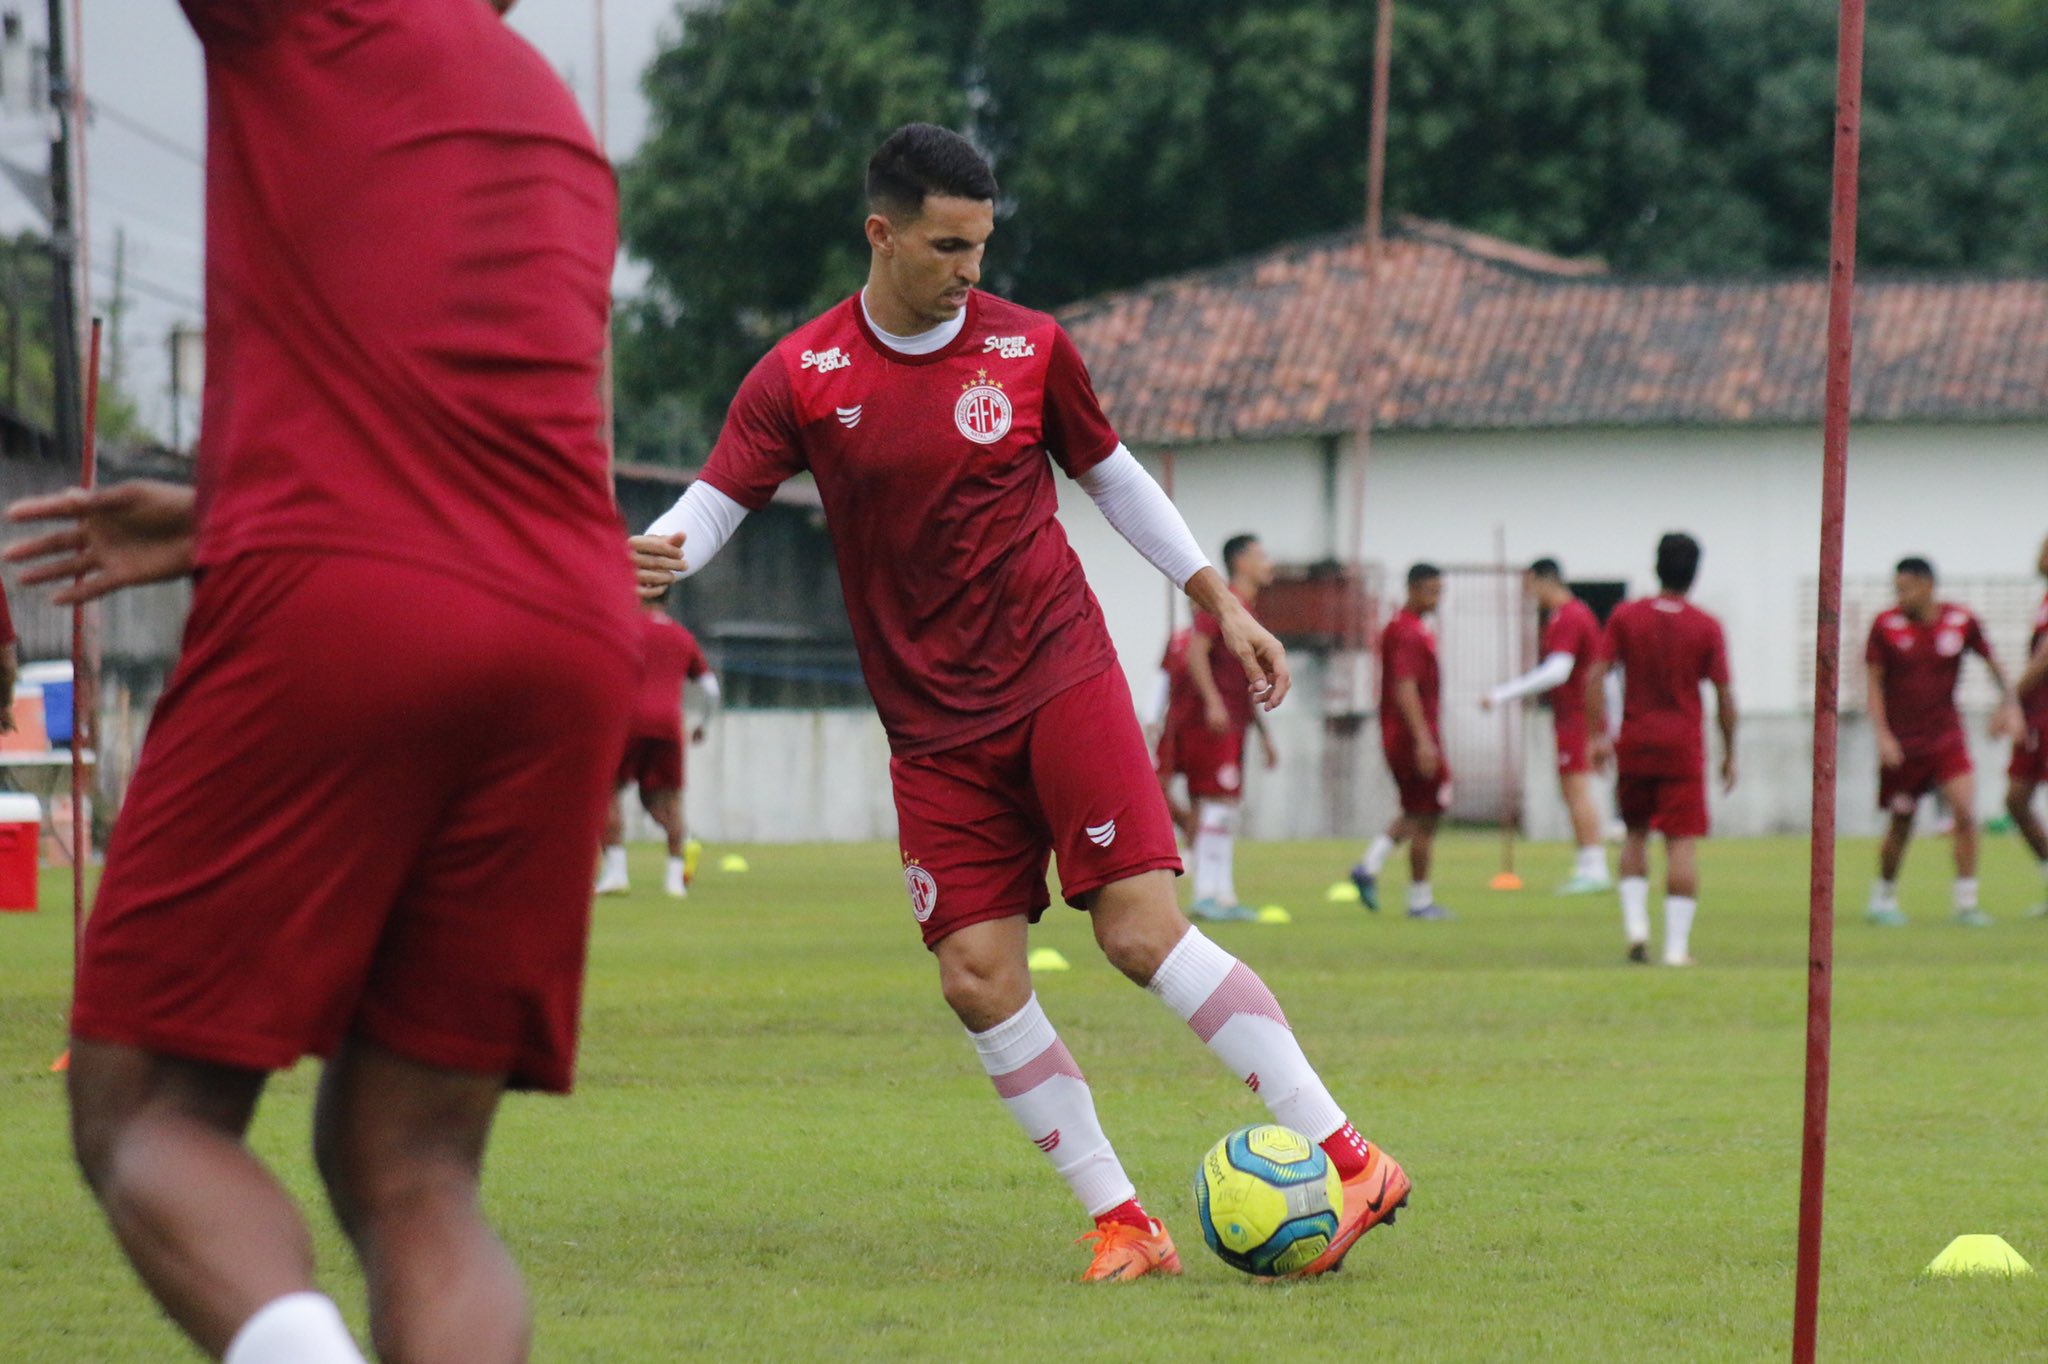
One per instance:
(983,412)
(825,361)
(1009,347)
(924,891)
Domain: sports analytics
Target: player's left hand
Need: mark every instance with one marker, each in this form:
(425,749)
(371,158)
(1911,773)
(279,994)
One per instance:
(657,562)
(1264,658)
(1727,773)
(1599,752)
(2007,722)
(1486,704)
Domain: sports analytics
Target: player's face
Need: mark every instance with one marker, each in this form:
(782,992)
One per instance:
(502,6)
(1256,566)
(1423,596)
(1916,593)
(932,260)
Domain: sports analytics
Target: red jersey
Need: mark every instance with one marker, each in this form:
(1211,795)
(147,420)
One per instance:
(1225,671)
(670,656)
(1666,647)
(1922,663)
(2034,703)
(1174,663)
(968,606)
(7,635)
(1407,653)
(409,246)
(1572,629)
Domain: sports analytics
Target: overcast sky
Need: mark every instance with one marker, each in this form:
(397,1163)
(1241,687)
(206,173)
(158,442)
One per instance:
(142,69)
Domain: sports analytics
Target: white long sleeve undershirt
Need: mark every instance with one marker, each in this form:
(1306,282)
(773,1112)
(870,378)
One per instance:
(1132,501)
(1553,671)
(706,517)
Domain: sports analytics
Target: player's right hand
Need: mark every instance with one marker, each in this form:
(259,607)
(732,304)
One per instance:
(1428,760)
(1599,752)
(144,531)
(1215,716)
(657,562)
(1890,752)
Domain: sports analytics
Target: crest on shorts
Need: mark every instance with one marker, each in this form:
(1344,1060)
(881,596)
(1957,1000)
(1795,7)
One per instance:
(924,891)
(983,412)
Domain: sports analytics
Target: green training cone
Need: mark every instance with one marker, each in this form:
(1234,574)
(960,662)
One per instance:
(1274,914)
(1342,893)
(1979,1255)
(732,862)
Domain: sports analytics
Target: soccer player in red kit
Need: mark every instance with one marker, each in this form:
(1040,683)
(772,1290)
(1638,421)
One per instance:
(1915,658)
(2029,766)
(654,756)
(931,415)
(1208,731)
(1571,641)
(1413,741)
(1169,698)
(1666,649)
(362,822)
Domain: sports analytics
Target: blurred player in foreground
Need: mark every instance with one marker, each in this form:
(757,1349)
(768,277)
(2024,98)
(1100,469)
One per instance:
(931,414)
(1206,735)
(1412,739)
(1571,642)
(1666,648)
(1914,659)
(654,758)
(2029,767)
(362,821)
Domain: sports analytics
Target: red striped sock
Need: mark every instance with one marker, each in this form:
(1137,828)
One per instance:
(1347,1151)
(1127,1212)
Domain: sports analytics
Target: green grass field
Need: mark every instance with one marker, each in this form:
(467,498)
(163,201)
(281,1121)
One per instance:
(782,1147)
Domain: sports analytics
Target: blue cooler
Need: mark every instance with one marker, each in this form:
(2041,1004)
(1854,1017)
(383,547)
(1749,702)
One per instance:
(55,680)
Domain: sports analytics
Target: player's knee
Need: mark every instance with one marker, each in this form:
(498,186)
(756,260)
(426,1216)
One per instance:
(1136,944)
(981,990)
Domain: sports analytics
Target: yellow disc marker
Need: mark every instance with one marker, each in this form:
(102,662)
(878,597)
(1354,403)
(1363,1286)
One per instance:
(1979,1255)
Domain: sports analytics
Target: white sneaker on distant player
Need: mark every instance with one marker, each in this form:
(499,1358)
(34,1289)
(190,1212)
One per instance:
(611,873)
(675,883)
(1584,884)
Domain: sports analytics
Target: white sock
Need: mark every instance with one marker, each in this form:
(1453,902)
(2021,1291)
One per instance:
(1884,894)
(1592,863)
(1678,912)
(673,883)
(1049,1097)
(298,1328)
(1635,908)
(1420,895)
(1966,894)
(1215,851)
(1231,1010)
(612,868)
(1376,856)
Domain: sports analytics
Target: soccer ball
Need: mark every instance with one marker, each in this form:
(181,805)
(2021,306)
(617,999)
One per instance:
(1269,1200)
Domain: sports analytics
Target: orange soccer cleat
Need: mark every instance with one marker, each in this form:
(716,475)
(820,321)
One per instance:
(1124,1251)
(1371,1197)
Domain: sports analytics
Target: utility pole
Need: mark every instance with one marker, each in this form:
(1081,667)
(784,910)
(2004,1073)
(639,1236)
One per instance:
(63,249)
(117,308)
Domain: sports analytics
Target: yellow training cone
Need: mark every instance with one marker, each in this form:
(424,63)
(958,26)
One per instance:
(1047,959)
(1979,1255)
(732,862)
(1342,893)
(1274,914)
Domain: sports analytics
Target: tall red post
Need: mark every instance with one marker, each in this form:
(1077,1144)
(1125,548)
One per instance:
(81,681)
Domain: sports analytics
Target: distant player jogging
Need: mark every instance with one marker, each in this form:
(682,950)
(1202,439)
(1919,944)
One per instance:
(931,415)
(2029,767)
(1666,649)
(1914,659)
(362,822)
(1411,736)
(1571,642)
(655,755)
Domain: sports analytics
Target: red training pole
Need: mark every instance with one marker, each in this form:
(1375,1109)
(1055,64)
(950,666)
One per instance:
(1510,794)
(1820,966)
(88,475)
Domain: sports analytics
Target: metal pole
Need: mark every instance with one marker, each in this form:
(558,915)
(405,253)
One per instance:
(1827,678)
(63,247)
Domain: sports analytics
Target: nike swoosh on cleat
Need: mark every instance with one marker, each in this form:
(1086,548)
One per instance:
(1373,1204)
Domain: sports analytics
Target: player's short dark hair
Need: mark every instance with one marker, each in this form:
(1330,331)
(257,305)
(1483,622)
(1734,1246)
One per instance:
(1547,569)
(1917,566)
(1420,573)
(1678,561)
(921,159)
(1234,547)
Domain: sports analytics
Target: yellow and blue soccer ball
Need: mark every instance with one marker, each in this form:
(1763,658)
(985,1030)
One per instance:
(1269,1200)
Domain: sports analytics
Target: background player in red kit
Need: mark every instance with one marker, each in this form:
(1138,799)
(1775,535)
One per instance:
(1914,659)
(930,415)
(1571,641)
(655,755)
(1169,696)
(410,237)
(1666,649)
(1208,729)
(2029,766)
(1410,688)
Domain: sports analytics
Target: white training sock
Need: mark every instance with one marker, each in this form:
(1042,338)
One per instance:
(1635,908)
(1376,856)
(1420,895)
(1884,894)
(611,868)
(1049,1097)
(1231,1010)
(1592,863)
(298,1328)
(673,882)
(1215,851)
(1966,894)
(1678,912)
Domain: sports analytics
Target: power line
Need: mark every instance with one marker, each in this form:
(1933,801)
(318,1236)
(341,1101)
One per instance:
(99,108)
(163,293)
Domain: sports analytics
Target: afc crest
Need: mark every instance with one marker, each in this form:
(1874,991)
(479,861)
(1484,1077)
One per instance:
(983,412)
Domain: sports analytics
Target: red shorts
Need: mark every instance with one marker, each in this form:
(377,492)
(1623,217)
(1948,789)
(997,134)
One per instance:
(654,764)
(1213,763)
(1900,788)
(1675,807)
(979,823)
(2030,756)
(1420,795)
(1571,742)
(365,807)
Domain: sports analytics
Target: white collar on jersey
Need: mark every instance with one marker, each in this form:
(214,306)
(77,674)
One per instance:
(924,343)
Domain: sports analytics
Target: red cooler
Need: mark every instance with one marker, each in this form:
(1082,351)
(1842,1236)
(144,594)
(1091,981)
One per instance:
(21,825)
